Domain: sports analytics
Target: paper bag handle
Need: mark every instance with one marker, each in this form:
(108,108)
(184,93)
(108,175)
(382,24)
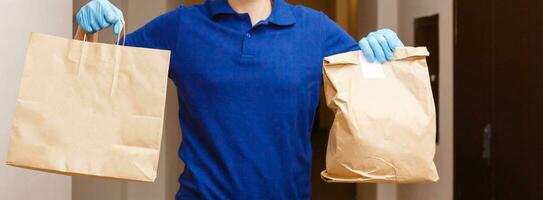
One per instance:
(80,34)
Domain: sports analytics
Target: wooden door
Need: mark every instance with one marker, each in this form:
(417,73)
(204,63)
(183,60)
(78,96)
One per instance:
(498,78)
(518,97)
(472,99)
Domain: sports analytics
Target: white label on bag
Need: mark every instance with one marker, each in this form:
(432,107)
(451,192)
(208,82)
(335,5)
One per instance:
(371,70)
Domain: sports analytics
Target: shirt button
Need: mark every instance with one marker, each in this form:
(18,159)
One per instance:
(248,35)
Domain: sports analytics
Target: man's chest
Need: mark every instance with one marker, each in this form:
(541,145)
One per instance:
(230,57)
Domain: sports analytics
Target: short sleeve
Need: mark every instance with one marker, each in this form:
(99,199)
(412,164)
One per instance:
(336,40)
(160,33)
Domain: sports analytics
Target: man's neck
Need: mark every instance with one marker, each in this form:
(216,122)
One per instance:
(257,9)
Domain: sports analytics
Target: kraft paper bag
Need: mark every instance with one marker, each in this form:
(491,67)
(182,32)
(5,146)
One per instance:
(90,109)
(385,122)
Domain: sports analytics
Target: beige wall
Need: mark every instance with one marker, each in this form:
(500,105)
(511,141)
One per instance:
(18,19)
(407,11)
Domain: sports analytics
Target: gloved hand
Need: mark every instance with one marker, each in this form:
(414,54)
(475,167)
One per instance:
(100,14)
(379,45)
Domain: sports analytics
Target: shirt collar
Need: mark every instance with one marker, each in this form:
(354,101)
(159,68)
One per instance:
(281,12)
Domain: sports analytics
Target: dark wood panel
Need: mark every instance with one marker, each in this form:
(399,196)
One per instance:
(472,99)
(518,35)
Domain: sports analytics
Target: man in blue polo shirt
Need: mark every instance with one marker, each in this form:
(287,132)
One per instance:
(248,74)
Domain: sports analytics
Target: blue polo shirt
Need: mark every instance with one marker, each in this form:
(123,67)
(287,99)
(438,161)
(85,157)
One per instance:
(247,95)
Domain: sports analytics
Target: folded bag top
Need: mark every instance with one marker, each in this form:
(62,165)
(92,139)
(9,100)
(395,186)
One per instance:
(385,121)
(90,109)
(354,57)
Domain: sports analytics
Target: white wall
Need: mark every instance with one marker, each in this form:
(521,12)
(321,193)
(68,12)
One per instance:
(17,19)
(407,12)
(387,14)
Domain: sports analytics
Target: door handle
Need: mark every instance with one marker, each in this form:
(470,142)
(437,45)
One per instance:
(487,143)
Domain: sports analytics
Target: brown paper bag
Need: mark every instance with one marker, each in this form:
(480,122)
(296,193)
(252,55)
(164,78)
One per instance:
(385,122)
(90,109)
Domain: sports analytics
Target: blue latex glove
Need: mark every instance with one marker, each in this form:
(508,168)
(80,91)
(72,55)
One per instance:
(379,45)
(100,14)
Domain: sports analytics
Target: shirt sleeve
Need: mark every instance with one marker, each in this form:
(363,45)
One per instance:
(336,40)
(160,33)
